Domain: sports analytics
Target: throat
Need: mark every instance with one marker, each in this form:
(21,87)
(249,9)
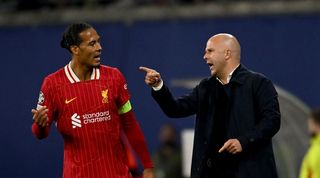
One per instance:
(223,81)
(85,75)
(82,74)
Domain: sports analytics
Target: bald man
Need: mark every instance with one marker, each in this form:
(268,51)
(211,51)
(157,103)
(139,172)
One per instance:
(237,114)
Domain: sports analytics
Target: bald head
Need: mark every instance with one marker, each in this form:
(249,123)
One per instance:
(222,54)
(228,42)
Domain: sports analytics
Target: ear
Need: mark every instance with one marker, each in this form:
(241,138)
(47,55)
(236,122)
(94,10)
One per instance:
(74,49)
(227,54)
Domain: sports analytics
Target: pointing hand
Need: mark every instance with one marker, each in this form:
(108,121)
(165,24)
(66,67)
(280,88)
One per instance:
(153,78)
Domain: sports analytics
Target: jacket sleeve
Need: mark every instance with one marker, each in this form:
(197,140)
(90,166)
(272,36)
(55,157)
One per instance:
(181,107)
(267,115)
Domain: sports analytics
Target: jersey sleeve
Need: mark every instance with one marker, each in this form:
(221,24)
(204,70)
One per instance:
(45,99)
(136,138)
(122,88)
(130,125)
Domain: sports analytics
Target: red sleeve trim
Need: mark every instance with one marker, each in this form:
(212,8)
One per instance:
(40,132)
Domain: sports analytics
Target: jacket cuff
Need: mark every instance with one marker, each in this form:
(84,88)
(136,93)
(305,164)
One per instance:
(244,142)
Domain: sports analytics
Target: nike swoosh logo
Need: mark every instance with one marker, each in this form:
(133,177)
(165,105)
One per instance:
(69,101)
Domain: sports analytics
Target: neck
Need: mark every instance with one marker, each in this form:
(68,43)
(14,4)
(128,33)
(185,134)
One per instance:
(224,78)
(83,72)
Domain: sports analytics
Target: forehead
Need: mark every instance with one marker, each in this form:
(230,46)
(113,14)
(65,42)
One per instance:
(89,35)
(210,43)
(214,42)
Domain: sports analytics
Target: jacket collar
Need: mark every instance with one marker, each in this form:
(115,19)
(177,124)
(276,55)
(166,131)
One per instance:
(239,75)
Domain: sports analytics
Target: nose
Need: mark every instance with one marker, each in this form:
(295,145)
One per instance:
(99,48)
(205,56)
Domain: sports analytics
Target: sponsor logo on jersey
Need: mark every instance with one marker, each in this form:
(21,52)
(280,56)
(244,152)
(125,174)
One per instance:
(104,94)
(77,120)
(70,100)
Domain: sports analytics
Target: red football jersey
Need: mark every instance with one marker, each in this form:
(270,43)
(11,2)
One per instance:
(86,114)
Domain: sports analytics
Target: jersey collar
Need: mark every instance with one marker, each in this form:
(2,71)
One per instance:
(72,77)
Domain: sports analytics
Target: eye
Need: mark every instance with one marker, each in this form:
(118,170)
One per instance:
(92,43)
(208,51)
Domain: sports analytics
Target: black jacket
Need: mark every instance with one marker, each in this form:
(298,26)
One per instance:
(254,120)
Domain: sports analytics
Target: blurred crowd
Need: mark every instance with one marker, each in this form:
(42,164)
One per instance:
(25,5)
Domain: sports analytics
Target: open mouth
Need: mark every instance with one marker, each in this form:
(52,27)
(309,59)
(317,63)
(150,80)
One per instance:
(97,56)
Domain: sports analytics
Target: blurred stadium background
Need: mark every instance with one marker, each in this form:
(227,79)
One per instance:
(279,39)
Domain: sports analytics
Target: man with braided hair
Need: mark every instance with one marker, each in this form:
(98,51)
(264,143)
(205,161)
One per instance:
(89,103)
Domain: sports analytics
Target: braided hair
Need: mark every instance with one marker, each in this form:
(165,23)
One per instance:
(71,35)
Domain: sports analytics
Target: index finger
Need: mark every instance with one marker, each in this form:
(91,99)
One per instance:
(145,69)
(225,146)
(222,148)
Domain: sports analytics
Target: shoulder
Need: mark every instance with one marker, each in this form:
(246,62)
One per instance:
(249,79)
(259,83)
(250,74)
(208,81)
(109,69)
(257,75)
(111,73)
(55,77)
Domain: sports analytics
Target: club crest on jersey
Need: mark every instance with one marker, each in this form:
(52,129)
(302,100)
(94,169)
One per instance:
(104,94)
(41,98)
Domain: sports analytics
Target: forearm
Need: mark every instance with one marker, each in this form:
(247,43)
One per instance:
(174,108)
(136,138)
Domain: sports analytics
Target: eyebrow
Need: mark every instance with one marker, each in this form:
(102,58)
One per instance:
(94,40)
